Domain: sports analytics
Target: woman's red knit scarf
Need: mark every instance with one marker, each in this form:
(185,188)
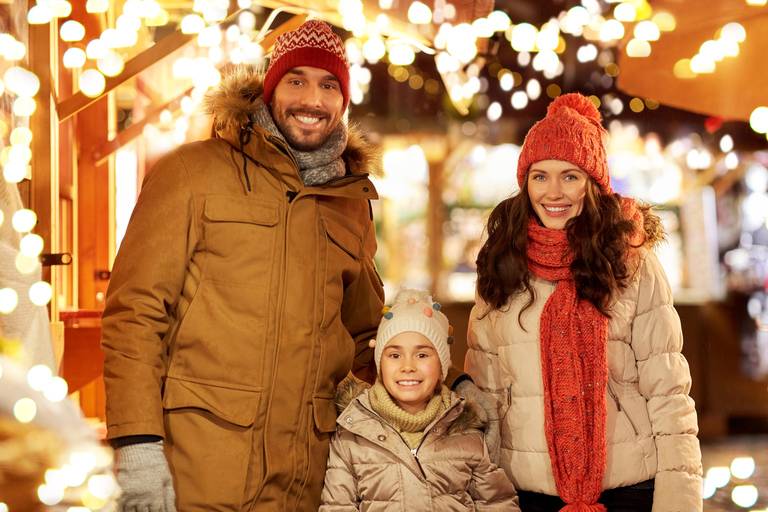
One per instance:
(575,371)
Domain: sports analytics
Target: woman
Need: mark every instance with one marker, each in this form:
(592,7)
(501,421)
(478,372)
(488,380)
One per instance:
(575,335)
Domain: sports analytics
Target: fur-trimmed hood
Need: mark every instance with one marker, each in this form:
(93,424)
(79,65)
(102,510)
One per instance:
(236,98)
(654,231)
(468,418)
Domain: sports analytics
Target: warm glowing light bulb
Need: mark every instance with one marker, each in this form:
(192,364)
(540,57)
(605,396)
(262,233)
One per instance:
(50,495)
(15,51)
(726,143)
(374,49)
(8,300)
(31,245)
(758,120)
(499,21)
(625,12)
(72,31)
(97,49)
(24,220)
(40,293)
(95,6)
(74,58)
(39,15)
(647,30)
(209,36)
(419,13)
(101,486)
(14,172)
(24,410)
(61,8)
(743,467)
(111,64)
(56,388)
(744,495)
(21,81)
(38,376)
(638,48)
(24,107)
(21,136)
(92,83)
(192,24)
(401,55)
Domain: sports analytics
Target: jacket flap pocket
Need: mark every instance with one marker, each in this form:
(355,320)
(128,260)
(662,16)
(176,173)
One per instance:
(240,209)
(237,406)
(344,239)
(325,413)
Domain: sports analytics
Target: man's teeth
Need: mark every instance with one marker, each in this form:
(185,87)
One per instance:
(307,120)
(408,382)
(556,208)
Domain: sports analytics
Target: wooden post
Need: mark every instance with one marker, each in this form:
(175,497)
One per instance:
(44,196)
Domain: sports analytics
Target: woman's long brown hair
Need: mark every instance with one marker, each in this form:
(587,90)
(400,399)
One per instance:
(600,238)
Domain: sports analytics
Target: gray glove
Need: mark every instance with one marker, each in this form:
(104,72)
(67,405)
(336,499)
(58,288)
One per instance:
(488,414)
(144,476)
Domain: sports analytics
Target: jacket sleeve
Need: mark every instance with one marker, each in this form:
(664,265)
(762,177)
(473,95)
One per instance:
(340,487)
(490,488)
(665,381)
(361,308)
(144,286)
(482,359)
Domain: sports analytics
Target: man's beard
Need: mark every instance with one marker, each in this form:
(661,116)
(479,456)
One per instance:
(297,140)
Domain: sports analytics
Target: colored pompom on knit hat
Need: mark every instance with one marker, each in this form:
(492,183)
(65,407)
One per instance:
(415,311)
(572,132)
(312,44)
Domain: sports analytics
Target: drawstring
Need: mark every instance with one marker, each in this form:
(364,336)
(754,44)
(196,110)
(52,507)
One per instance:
(245,138)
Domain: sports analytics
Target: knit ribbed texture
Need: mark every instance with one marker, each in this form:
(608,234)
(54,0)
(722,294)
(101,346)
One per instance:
(312,44)
(415,311)
(573,337)
(410,426)
(571,132)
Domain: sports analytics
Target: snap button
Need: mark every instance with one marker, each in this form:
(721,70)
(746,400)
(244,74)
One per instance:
(382,438)
(365,189)
(436,430)
(349,419)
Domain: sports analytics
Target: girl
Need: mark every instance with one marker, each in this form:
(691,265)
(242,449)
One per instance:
(408,442)
(574,333)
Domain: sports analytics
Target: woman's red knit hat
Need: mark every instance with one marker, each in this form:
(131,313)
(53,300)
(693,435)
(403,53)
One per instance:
(312,44)
(572,132)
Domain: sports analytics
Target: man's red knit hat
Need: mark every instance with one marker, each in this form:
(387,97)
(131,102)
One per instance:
(572,132)
(312,44)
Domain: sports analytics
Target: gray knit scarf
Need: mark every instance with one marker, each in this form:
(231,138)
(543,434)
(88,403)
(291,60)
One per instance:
(318,166)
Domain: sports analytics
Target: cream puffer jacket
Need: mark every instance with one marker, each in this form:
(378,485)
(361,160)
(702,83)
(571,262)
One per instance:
(651,425)
(372,469)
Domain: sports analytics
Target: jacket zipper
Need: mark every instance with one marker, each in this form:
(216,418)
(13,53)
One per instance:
(618,407)
(414,451)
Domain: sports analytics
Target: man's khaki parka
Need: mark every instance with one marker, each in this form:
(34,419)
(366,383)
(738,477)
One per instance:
(232,314)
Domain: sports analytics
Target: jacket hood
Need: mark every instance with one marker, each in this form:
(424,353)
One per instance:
(233,101)
(654,231)
(468,418)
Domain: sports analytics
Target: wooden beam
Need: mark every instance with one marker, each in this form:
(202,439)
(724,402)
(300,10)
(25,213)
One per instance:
(133,67)
(102,153)
(124,137)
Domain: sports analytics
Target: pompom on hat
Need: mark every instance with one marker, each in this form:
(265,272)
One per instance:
(312,44)
(572,132)
(415,311)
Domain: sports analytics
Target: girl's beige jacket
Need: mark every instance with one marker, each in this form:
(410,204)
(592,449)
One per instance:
(372,469)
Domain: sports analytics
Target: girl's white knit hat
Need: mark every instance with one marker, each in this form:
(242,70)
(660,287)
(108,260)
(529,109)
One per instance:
(415,311)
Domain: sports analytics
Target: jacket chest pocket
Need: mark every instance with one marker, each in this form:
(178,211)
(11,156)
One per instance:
(240,239)
(343,259)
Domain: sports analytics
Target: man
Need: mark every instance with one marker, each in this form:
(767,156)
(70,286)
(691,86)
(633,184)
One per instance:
(244,292)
